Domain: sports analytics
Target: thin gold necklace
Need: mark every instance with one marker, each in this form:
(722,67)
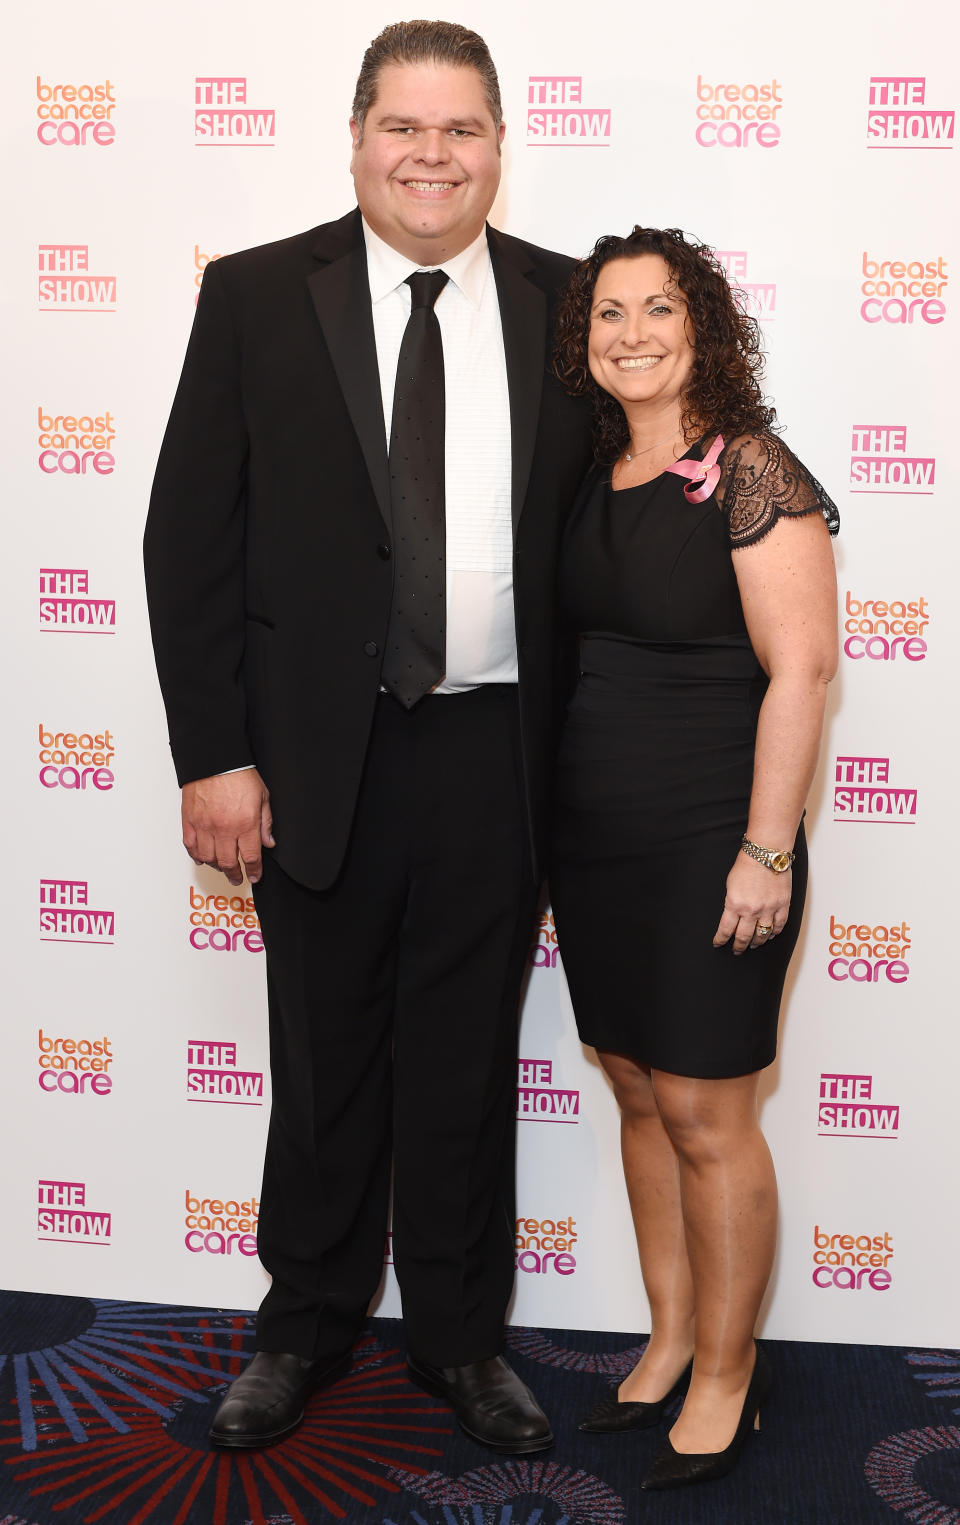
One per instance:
(631,456)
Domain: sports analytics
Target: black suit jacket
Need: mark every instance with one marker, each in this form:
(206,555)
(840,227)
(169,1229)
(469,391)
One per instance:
(267,545)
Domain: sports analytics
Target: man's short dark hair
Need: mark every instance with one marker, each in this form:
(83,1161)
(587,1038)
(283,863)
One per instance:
(421,42)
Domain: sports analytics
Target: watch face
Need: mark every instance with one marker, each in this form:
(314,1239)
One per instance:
(781,862)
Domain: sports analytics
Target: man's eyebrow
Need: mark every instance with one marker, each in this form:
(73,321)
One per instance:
(473,123)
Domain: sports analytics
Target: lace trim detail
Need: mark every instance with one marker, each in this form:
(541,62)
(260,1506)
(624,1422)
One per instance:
(761,481)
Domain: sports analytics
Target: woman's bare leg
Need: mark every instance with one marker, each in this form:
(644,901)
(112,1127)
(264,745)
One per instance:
(729,1197)
(651,1168)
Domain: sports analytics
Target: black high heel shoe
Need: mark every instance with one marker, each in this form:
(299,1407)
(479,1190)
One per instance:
(611,1417)
(674,1469)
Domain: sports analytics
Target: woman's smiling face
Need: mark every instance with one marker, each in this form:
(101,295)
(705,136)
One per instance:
(640,348)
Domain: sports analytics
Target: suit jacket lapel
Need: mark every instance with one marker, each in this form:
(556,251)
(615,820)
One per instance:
(341,296)
(523,314)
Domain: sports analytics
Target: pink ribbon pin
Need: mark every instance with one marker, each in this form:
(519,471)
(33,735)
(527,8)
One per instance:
(704,475)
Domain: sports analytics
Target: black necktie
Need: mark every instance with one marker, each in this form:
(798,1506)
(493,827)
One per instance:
(415,658)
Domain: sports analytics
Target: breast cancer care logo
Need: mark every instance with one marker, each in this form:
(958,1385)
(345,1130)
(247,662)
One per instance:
(76,116)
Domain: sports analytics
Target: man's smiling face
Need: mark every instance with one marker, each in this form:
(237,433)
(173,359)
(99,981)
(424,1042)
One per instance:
(426,166)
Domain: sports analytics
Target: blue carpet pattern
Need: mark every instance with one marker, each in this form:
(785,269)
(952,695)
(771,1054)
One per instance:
(104,1410)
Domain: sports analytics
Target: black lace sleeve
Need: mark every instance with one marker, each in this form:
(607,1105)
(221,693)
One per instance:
(761,481)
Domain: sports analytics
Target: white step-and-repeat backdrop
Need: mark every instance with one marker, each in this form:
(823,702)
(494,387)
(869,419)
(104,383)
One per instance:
(817,152)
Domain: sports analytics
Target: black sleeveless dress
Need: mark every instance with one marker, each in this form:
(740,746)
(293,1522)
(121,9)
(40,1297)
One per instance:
(656,765)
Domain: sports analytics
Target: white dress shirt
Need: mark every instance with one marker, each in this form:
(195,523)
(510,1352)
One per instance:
(481,637)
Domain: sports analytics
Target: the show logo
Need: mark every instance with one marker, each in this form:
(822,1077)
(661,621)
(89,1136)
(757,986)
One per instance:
(66,284)
(903,291)
(852,1262)
(543,952)
(545,1244)
(64,1218)
(224,923)
(756,298)
(867,954)
(557,117)
(897,118)
(847,1109)
(65,608)
(879,462)
(863,792)
(200,263)
(738,116)
(76,115)
(223,119)
(212,1075)
(537,1099)
(77,1066)
(66,915)
(76,759)
(218,1226)
(882,629)
(75,445)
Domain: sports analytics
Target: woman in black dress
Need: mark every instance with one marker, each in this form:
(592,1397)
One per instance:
(698,573)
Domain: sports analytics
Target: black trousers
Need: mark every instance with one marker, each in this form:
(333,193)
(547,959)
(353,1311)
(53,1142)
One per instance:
(393,1039)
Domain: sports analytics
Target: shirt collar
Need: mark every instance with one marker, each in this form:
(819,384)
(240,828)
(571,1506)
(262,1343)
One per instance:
(387,268)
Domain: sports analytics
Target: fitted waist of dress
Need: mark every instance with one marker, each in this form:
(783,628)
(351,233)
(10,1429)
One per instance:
(722,658)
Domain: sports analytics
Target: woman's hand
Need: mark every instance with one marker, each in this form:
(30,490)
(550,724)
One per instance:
(756,897)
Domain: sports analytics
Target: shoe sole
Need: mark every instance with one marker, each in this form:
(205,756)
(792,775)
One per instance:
(518,1448)
(251,1442)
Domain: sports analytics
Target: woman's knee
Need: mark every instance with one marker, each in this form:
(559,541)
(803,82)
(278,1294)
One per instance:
(631,1083)
(707,1120)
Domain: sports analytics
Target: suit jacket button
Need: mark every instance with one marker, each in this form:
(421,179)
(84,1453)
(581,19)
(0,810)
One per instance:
(371,648)
(383,551)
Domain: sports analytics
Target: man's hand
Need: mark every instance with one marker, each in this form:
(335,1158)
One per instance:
(226,821)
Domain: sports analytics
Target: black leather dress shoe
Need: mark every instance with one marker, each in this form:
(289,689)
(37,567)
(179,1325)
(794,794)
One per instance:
(492,1405)
(266,1401)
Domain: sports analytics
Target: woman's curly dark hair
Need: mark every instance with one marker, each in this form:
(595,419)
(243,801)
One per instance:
(723,393)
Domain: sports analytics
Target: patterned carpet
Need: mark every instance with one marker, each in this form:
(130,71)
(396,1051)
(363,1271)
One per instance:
(105,1408)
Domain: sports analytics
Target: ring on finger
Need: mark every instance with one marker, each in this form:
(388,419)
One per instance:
(763,931)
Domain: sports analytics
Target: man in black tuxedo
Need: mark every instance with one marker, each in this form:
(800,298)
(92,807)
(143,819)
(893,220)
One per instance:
(364,664)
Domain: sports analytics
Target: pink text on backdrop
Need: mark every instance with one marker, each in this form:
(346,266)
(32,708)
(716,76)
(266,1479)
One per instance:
(63,1215)
(903,290)
(222,118)
(66,917)
(537,1099)
(756,298)
(75,443)
(65,611)
(863,793)
(76,760)
(895,120)
(75,1066)
(65,282)
(885,629)
(75,116)
(880,462)
(738,115)
(847,1109)
(557,118)
(852,1262)
(213,1076)
(869,954)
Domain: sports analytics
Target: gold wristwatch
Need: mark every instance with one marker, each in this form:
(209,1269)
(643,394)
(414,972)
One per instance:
(779,862)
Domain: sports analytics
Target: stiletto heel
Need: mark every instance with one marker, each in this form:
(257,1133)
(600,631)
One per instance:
(674,1469)
(611,1417)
